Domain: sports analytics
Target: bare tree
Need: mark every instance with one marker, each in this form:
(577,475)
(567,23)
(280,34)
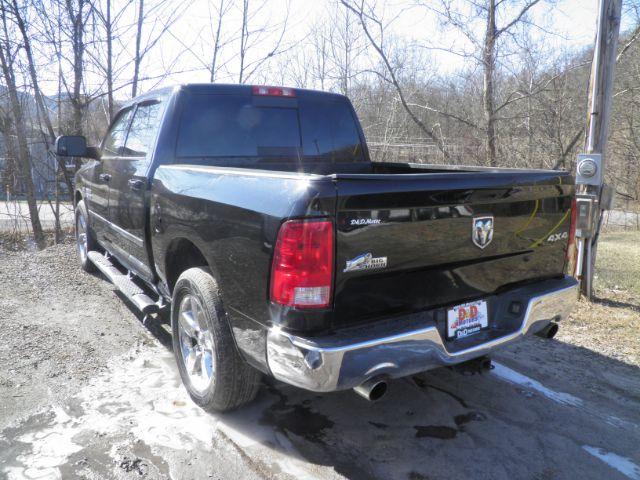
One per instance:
(24,158)
(221,11)
(345,47)
(257,34)
(158,17)
(13,10)
(461,15)
(78,16)
(105,14)
(138,55)
(366,16)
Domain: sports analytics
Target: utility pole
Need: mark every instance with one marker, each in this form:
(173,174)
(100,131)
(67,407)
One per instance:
(593,196)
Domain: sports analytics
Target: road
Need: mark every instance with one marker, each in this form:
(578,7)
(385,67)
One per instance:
(14,216)
(88,391)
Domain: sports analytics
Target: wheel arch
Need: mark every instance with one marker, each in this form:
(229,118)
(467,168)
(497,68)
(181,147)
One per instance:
(182,254)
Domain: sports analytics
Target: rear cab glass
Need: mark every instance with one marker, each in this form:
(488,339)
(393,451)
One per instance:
(264,132)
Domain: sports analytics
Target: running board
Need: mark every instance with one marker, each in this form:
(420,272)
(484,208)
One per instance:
(133,292)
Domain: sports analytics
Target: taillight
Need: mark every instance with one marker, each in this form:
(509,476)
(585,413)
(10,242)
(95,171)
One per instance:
(274,91)
(302,270)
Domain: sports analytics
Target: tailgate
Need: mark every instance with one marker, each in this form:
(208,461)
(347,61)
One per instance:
(409,242)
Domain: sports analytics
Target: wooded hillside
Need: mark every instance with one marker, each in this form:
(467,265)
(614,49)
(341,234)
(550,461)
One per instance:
(481,83)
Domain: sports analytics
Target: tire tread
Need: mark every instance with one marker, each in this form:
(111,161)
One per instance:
(236,383)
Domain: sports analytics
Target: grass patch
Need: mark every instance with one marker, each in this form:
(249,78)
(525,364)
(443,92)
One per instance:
(618,262)
(609,325)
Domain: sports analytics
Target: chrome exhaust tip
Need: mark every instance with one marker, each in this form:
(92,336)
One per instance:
(473,366)
(486,364)
(372,390)
(549,331)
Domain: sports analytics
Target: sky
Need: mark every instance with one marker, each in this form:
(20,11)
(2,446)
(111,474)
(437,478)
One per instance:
(572,22)
(180,56)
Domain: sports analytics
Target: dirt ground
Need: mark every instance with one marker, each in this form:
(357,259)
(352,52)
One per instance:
(88,391)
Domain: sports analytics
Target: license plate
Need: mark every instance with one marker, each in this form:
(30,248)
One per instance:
(467,319)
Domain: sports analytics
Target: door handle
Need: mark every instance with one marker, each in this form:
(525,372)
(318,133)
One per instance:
(136,184)
(105,177)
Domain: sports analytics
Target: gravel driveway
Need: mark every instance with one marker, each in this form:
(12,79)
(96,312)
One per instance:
(87,391)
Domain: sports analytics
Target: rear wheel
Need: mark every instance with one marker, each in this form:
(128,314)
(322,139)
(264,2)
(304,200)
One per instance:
(213,372)
(85,241)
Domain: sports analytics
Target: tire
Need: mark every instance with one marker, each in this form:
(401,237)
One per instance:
(85,239)
(212,371)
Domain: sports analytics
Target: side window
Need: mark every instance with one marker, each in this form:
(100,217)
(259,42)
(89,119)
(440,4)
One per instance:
(143,129)
(114,140)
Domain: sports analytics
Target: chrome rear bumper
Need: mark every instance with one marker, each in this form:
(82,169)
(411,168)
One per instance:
(346,359)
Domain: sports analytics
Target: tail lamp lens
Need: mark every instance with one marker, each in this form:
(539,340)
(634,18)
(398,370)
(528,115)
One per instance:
(302,270)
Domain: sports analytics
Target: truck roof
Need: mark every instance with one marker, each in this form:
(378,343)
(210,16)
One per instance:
(221,89)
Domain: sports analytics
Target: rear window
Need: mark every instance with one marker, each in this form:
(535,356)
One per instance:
(235,126)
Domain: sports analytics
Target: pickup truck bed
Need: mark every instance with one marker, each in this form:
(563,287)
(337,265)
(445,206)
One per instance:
(420,222)
(330,271)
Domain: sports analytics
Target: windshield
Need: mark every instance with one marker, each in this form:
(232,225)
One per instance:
(235,126)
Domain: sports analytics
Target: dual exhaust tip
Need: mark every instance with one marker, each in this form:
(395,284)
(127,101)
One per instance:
(376,388)
(373,389)
(549,331)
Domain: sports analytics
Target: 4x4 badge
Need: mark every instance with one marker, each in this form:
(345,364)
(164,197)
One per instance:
(482,231)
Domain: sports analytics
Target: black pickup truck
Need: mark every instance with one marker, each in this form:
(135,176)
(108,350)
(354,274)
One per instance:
(257,215)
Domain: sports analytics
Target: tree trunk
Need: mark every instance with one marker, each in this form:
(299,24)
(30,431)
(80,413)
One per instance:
(78,59)
(24,160)
(57,215)
(137,59)
(37,92)
(109,32)
(488,94)
(216,44)
(347,59)
(243,34)
(10,169)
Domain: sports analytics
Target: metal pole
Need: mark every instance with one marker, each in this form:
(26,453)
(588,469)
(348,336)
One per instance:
(590,188)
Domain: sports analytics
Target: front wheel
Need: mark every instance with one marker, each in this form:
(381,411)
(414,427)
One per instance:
(210,366)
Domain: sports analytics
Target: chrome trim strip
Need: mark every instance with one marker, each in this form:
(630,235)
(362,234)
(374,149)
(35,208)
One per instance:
(242,171)
(129,236)
(332,363)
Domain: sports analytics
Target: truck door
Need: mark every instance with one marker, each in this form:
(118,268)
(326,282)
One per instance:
(97,195)
(129,186)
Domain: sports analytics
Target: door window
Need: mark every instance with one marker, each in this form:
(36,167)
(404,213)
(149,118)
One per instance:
(144,127)
(113,143)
